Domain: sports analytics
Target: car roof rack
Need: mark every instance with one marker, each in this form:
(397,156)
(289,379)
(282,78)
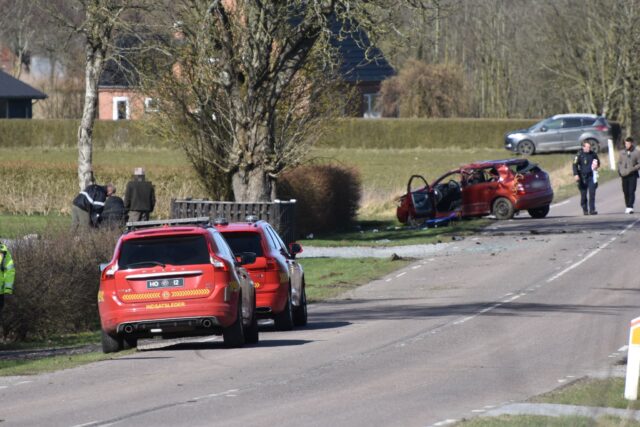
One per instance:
(201,220)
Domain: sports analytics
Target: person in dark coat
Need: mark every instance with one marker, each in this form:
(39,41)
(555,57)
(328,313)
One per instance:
(114,213)
(139,197)
(585,164)
(87,206)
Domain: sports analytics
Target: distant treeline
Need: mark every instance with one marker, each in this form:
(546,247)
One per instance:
(347,133)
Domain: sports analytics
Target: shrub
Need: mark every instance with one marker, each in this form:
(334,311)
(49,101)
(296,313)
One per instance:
(328,196)
(424,90)
(57,279)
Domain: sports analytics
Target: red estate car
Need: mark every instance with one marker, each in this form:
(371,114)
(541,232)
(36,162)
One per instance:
(278,277)
(173,281)
(498,187)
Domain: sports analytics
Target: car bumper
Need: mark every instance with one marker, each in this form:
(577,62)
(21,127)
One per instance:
(167,316)
(534,200)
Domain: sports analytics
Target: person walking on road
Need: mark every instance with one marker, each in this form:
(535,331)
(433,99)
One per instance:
(139,197)
(628,166)
(88,205)
(7,274)
(584,165)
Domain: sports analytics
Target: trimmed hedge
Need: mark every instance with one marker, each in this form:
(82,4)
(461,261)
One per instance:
(347,133)
(64,133)
(420,133)
(328,196)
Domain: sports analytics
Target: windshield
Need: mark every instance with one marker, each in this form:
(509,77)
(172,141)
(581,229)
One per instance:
(174,250)
(244,242)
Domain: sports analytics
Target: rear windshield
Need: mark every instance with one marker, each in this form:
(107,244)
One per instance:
(175,250)
(244,242)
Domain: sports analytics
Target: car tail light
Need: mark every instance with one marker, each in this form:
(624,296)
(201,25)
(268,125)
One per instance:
(218,264)
(602,128)
(272,264)
(110,271)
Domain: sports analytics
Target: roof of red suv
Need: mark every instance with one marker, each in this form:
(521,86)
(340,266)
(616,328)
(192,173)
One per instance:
(163,231)
(240,226)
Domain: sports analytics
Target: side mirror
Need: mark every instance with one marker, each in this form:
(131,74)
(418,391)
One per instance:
(543,129)
(295,248)
(103,265)
(245,258)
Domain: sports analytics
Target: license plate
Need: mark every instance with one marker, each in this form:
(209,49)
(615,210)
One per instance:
(165,283)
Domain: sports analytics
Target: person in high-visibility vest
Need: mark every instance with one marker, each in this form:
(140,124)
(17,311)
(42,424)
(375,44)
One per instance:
(7,273)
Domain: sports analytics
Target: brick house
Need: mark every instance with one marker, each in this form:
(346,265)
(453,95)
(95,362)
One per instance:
(364,68)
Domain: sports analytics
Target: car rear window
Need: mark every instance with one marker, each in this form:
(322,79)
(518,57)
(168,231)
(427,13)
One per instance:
(244,242)
(174,250)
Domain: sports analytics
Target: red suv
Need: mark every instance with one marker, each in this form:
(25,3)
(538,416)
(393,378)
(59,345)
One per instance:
(174,281)
(278,278)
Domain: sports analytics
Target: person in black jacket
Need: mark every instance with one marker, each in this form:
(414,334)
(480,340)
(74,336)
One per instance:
(584,165)
(113,214)
(88,205)
(139,197)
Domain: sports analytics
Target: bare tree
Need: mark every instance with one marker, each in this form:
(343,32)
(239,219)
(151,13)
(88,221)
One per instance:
(17,29)
(247,77)
(100,21)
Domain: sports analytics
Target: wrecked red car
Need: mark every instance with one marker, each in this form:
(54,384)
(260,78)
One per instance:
(498,187)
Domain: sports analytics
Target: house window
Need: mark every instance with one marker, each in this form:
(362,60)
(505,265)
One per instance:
(151,105)
(371,110)
(121,109)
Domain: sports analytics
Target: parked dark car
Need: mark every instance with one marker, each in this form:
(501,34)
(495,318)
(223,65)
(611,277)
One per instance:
(498,187)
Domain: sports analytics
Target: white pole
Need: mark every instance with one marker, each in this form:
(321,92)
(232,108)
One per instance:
(612,155)
(633,361)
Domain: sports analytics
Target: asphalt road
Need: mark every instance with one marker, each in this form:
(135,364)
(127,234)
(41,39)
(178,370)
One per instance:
(527,306)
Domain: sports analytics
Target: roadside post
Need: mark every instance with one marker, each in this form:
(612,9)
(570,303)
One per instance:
(633,361)
(612,155)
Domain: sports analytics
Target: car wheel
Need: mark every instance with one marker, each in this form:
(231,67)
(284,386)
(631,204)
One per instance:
(111,344)
(300,312)
(540,212)
(129,342)
(502,208)
(251,333)
(283,321)
(595,147)
(526,147)
(233,335)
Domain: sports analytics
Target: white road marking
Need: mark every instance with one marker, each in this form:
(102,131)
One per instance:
(555,205)
(445,422)
(4,386)
(478,411)
(562,380)
(623,348)
(388,280)
(23,382)
(86,424)
(401,274)
(416,266)
(582,261)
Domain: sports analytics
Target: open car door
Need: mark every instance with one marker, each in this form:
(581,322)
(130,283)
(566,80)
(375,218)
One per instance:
(417,204)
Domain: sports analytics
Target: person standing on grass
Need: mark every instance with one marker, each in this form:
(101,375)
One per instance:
(88,205)
(584,165)
(7,274)
(113,214)
(139,197)
(628,166)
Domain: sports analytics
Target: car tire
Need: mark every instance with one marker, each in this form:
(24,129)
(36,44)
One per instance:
(251,333)
(129,343)
(503,208)
(595,146)
(526,148)
(300,312)
(233,335)
(111,344)
(540,212)
(283,321)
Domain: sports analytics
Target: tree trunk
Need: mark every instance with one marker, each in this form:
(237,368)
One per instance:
(252,185)
(93,68)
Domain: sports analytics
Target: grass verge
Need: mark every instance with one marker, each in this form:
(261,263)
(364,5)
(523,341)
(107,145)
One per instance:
(608,393)
(390,233)
(55,363)
(540,421)
(328,277)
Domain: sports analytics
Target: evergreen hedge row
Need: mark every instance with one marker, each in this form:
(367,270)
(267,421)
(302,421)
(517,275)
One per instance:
(345,133)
